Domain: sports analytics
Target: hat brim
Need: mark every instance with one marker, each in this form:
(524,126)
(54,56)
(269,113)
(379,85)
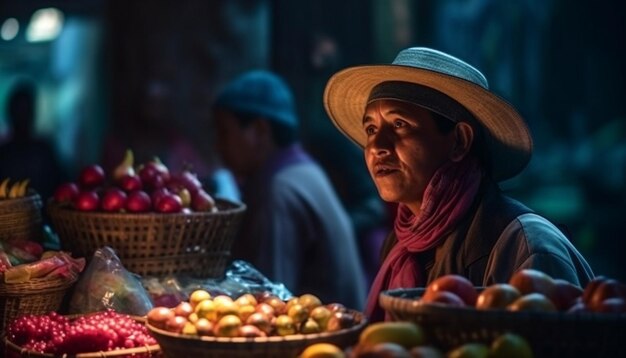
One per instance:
(508,139)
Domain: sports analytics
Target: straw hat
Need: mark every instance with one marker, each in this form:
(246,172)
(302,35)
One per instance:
(507,138)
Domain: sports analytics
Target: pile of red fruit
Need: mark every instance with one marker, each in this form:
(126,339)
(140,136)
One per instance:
(530,290)
(150,187)
(58,335)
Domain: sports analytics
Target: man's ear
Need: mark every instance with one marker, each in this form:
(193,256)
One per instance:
(463,139)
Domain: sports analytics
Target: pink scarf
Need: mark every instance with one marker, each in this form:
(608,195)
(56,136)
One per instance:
(447,197)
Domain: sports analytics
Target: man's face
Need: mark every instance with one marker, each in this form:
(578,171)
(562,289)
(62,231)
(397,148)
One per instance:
(235,143)
(404,149)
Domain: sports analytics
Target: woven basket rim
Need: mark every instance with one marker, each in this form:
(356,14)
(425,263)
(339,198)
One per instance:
(233,208)
(30,195)
(39,285)
(405,300)
(146,349)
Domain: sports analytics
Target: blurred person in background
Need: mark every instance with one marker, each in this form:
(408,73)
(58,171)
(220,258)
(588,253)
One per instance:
(26,155)
(295,229)
(437,142)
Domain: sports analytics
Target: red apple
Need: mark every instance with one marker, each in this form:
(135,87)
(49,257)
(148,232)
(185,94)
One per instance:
(609,288)
(138,202)
(66,192)
(113,199)
(159,315)
(530,280)
(150,177)
(154,174)
(445,297)
(91,177)
(202,201)
(87,201)
(188,180)
(130,183)
(169,203)
(565,294)
(611,305)
(157,194)
(534,302)
(591,286)
(497,296)
(184,309)
(457,284)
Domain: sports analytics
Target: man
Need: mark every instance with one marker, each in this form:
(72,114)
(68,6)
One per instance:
(437,141)
(295,229)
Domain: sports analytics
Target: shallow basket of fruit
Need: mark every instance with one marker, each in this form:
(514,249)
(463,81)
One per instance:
(196,243)
(251,326)
(99,334)
(158,222)
(583,327)
(20,211)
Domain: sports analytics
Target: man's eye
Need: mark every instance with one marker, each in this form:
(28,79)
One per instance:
(399,123)
(369,130)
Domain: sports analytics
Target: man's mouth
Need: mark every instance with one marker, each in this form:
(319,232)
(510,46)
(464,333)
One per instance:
(381,170)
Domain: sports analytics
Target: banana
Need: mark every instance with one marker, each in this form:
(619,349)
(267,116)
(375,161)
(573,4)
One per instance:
(23,187)
(406,334)
(3,188)
(18,189)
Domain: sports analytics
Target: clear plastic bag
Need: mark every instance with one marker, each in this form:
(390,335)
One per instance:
(106,284)
(240,277)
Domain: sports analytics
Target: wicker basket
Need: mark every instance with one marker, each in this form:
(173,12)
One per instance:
(156,244)
(14,351)
(177,345)
(20,218)
(550,334)
(37,296)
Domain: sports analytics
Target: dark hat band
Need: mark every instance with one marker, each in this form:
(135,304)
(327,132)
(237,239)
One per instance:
(422,96)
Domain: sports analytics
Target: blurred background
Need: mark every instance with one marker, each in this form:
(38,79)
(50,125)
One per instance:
(111,75)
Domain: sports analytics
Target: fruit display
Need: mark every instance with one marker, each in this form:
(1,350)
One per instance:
(61,335)
(555,317)
(530,290)
(251,316)
(400,339)
(147,187)
(252,325)
(14,190)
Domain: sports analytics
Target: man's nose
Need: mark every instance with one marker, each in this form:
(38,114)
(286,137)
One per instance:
(383,142)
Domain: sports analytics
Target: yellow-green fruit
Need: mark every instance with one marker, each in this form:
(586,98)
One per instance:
(285,325)
(310,301)
(510,345)
(189,329)
(298,313)
(310,326)
(206,309)
(322,350)
(245,311)
(246,299)
(321,315)
(470,350)
(225,308)
(228,326)
(198,296)
(406,334)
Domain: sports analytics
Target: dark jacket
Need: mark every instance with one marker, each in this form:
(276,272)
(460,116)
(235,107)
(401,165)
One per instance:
(497,237)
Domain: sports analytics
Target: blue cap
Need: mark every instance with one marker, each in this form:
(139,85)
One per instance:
(262,93)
